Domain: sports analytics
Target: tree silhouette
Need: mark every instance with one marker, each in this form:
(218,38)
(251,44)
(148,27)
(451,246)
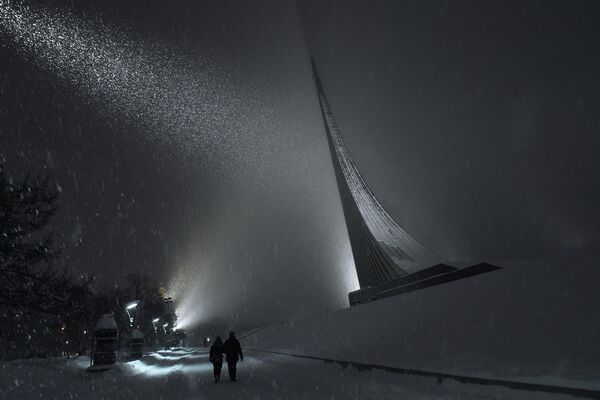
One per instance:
(27,280)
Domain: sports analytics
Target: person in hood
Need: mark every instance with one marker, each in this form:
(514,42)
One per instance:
(233,353)
(216,357)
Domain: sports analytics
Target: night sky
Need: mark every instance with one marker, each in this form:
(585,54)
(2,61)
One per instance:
(186,140)
(474,122)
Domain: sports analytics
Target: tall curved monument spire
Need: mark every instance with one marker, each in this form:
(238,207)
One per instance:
(382,250)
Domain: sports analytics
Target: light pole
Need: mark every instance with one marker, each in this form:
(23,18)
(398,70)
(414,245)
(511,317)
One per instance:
(165,327)
(170,314)
(154,322)
(128,308)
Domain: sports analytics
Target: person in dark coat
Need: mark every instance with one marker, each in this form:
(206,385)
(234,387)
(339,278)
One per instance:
(216,357)
(232,349)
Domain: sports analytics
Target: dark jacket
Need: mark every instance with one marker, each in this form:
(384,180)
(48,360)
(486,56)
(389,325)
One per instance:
(232,349)
(216,352)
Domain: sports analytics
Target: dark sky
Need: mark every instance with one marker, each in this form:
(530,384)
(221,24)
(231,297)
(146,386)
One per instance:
(186,140)
(474,122)
(187,143)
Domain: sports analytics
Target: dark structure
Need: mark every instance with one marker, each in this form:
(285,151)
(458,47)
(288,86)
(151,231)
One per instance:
(386,257)
(105,344)
(135,345)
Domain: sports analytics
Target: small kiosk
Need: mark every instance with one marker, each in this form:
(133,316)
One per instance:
(135,345)
(104,345)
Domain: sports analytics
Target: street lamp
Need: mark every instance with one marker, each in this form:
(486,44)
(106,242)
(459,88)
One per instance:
(154,321)
(131,306)
(165,327)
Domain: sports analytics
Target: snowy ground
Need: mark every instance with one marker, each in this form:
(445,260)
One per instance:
(187,374)
(532,321)
(535,322)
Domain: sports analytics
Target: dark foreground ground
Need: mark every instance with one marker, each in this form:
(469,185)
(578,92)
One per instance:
(187,374)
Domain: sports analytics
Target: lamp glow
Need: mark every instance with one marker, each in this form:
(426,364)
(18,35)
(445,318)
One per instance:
(128,307)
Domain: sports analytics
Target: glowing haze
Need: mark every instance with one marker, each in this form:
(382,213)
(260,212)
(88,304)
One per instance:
(258,233)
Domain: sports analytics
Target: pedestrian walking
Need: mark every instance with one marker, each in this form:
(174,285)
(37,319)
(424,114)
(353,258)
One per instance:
(216,357)
(233,353)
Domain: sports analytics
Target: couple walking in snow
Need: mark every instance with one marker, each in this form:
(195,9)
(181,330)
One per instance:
(233,352)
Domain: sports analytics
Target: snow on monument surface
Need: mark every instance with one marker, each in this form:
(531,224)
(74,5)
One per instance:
(382,250)
(536,321)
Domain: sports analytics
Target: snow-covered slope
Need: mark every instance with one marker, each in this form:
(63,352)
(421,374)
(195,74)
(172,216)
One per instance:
(537,321)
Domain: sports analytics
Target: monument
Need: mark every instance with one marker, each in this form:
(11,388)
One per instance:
(388,260)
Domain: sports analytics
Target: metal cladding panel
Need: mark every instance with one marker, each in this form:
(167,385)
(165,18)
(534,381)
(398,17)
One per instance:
(382,250)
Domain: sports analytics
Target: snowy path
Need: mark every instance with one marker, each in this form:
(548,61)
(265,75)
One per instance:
(187,374)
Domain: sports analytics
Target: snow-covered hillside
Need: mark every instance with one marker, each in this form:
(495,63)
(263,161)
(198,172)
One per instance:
(536,321)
